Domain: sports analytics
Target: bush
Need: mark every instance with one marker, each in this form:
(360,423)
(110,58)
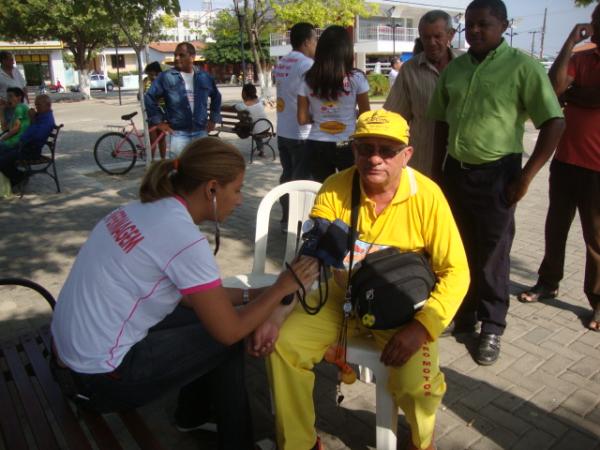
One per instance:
(122,73)
(379,84)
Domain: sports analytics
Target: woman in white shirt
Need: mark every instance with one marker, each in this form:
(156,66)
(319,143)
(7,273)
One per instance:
(328,98)
(143,309)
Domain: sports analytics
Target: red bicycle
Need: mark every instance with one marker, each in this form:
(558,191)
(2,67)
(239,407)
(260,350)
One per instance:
(116,154)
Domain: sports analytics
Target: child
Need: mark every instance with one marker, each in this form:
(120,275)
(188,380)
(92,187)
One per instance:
(254,106)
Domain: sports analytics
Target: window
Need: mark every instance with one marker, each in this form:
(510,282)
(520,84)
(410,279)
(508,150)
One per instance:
(113,61)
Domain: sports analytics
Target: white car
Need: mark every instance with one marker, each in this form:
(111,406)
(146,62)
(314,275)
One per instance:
(99,81)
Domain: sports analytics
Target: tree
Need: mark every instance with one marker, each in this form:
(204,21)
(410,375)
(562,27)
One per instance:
(82,25)
(139,22)
(226,46)
(584,3)
(321,12)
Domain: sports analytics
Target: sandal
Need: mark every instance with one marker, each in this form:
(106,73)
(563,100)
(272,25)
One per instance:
(537,292)
(594,324)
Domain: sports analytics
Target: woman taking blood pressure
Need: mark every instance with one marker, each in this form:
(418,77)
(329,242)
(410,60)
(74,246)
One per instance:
(143,309)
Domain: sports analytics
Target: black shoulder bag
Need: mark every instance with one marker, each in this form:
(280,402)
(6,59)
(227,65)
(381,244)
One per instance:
(389,286)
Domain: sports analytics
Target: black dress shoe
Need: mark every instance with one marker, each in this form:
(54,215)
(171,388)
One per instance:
(488,350)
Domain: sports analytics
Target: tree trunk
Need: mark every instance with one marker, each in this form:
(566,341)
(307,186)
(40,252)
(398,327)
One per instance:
(138,54)
(84,73)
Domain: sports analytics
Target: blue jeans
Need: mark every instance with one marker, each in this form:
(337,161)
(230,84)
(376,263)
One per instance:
(179,139)
(179,352)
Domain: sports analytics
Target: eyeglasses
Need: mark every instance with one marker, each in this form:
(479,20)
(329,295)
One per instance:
(384,151)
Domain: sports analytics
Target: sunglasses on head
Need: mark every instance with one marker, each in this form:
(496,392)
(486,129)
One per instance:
(384,151)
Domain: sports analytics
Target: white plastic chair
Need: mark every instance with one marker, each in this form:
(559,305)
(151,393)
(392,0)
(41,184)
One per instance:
(302,195)
(362,350)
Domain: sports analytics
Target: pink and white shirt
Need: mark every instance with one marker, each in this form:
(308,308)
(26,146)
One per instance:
(129,275)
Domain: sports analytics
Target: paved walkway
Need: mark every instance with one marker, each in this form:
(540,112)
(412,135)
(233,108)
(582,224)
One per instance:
(543,393)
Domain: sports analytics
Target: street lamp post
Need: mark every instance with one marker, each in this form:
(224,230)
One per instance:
(459,26)
(240,15)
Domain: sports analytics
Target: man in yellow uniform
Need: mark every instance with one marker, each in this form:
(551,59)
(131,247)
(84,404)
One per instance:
(399,207)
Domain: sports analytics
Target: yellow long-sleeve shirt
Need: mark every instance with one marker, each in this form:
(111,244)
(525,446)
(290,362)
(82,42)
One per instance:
(418,219)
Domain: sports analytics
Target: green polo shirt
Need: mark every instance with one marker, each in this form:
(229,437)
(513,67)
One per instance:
(20,113)
(487,103)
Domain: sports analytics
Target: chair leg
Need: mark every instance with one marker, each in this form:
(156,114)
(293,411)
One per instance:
(386,413)
(55,178)
(272,151)
(251,151)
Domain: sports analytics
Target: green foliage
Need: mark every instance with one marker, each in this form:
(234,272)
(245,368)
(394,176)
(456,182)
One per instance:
(168,21)
(82,25)
(225,31)
(122,73)
(378,84)
(584,3)
(322,12)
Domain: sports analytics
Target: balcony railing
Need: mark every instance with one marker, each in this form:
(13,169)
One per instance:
(386,33)
(366,33)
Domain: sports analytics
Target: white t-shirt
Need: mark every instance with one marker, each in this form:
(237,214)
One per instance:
(188,79)
(392,76)
(129,275)
(7,81)
(288,77)
(334,121)
(257,111)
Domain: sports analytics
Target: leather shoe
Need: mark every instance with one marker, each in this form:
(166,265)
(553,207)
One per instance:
(488,350)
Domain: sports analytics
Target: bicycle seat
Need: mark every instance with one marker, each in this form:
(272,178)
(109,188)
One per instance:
(129,116)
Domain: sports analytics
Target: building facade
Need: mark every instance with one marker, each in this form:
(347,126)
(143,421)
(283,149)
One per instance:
(390,31)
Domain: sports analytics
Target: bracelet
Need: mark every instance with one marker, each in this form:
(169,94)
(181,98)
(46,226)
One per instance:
(245,296)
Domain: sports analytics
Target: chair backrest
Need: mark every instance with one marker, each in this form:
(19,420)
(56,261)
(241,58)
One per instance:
(302,195)
(266,125)
(51,142)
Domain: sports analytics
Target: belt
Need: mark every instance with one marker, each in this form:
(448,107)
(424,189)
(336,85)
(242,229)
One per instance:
(482,166)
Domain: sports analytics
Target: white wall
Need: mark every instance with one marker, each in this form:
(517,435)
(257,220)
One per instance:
(57,67)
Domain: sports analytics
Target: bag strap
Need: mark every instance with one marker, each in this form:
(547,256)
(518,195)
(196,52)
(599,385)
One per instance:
(353,234)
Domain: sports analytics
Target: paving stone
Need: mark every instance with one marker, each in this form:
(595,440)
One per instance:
(541,419)
(581,402)
(538,335)
(587,350)
(527,363)
(505,419)
(464,364)
(580,381)
(500,436)
(458,439)
(533,348)
(548,398)
(512,398)
(562,350)
(481,396)
(591,338)
(575,440)
(528,383)
(586,367)
(534,440)
(556,365)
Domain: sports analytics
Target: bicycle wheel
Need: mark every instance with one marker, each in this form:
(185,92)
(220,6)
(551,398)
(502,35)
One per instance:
(115,153)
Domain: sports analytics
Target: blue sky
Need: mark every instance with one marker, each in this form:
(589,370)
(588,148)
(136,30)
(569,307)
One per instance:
(528,14)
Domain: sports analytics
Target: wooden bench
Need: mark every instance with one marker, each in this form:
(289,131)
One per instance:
(35,414)
(44,164)
(240,123)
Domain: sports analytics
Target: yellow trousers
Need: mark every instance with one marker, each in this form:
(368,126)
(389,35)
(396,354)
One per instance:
(417,387)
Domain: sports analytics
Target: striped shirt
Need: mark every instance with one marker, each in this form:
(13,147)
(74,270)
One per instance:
(410,97)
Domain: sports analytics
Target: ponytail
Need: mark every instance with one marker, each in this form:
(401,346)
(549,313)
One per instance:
(202,160)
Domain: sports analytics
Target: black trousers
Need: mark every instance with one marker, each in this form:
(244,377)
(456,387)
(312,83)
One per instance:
(572,188)
(476,195)
(327,158)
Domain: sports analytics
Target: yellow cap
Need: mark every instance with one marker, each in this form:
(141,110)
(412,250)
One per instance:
(382,123)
